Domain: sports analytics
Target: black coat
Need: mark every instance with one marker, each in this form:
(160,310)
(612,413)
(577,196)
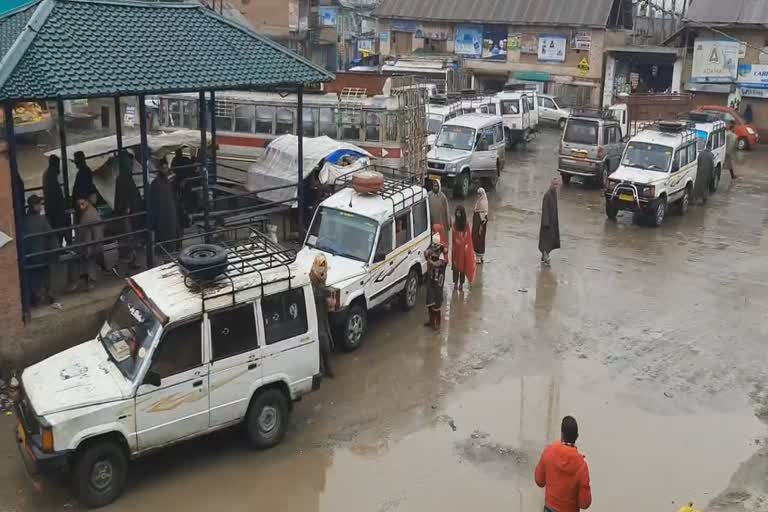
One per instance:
(127,197)
(704,172)
(163,215)
(549,232)
(53,195)
(84,186)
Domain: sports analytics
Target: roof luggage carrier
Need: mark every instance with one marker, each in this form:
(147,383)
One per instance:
(251,254)
(394,187)
(593,112)
(685,128)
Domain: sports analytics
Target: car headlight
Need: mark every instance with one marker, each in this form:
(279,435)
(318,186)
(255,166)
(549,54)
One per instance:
(450,168)
(612,184)
(750,130)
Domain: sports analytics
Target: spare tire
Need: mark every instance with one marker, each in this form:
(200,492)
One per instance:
(204,261)
(368,182)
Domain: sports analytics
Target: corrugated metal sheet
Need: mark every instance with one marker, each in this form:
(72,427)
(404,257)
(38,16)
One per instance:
(589,13)
(729,12)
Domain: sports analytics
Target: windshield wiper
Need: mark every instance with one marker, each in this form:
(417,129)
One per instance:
(449,146)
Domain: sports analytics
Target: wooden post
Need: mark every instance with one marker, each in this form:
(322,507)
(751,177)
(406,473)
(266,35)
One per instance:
(300,163)
(144,152)
(63,149)
(203,156)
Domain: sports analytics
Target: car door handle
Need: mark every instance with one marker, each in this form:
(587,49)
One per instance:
(197,383)
(253,366)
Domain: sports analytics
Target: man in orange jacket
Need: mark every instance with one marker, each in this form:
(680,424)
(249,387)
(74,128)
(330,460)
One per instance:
(563,472)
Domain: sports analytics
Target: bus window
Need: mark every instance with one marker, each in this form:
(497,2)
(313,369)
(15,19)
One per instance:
(264,117)
(190,115)
(308,121)
(350,125)
(391,132)
(372,127)
(328,122)
(284,122)
(174,113)
(244,115)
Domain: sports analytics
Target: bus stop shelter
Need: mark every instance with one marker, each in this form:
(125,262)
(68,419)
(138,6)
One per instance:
(57,50)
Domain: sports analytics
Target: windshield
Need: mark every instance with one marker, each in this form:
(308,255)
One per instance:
(342,234)
(652,157)
(128,332)
(701,139)
(558,102)
(434,124)
(510,107)
(456,137)
(581,132)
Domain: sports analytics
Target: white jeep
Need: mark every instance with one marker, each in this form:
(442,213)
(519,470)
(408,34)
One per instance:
(225,335)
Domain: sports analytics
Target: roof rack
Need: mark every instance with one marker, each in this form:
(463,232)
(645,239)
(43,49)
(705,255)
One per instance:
(394,187)
(684,128)
(254,253)
(594,112)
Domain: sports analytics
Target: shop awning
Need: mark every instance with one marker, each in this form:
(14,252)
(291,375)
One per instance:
(715,88)
(536,76)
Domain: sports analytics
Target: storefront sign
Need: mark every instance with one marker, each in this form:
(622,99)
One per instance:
(384,37)
(581,40)
(715,61)
(328,16)
(402,26)
(365,45)
(753,75)
(469,40)
(754,92)
(432,31)
(529,43)
(129,118)
(495,42)
(552,48)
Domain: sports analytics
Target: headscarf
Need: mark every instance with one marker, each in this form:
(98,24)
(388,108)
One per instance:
(460,225)
(439,187)
(319,272)
(436,239)
(481,206)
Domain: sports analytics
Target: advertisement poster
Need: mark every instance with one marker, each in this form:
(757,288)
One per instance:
(328,16)
(365,45)
(469,40)
(552,48)
(715,61)
(529,43)
(753,75)
(495,42)
(514,42)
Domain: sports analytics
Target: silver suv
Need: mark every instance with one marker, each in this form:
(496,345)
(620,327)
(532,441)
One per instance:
(591,146)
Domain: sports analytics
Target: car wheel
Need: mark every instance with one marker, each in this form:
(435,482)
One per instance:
(611,211)
(267,419)
(354,327)
(658,214)
(684,203)
(561,124)
(411,291)
(99,473)
(602,179)
(566,178)
(461,187)
(742,144)
(204,261)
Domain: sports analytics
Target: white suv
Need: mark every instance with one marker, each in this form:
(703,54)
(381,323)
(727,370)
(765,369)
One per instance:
(375,245)
(178,357)
(657,170)
(710,131)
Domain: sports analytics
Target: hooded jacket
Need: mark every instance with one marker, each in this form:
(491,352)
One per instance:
(564,474)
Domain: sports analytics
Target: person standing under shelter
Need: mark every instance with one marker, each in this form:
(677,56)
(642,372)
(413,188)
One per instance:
(730,148)
(40,275)
(127,201)
(480,224)
(89,231)
(463,252)
(705,169)
(163,216)
(84,187)
(55,204)
(438,207)
(549,232)
(563,472)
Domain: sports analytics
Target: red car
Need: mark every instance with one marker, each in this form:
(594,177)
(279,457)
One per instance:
(746,135)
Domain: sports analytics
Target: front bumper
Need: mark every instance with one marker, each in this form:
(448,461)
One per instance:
(38,464)
(626,198)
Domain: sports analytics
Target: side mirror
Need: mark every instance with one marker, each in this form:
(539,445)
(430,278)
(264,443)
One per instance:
(152,378)
(379,257)
(625,139)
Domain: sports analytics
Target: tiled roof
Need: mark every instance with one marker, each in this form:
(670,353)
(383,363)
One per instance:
(90,48)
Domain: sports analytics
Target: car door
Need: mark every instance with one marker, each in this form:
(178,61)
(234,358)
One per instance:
(677,173)
(617,147)
(179,406)
(290,335)
(382,266)
(547,109)
(236,361)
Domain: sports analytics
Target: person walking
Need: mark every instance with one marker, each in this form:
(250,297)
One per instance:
(549,232)
(563,472)
(435,255)
(55,204)
(438,207)
(480,224)
(730,148)
(89,231)
(318,276)
(704,172)
(749,116)
(40,276)
(163,216)
(463,253)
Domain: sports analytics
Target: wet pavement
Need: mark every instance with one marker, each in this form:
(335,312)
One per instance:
(654,339)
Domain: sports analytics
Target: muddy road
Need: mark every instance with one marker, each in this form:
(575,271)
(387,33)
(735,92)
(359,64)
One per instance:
(654,339)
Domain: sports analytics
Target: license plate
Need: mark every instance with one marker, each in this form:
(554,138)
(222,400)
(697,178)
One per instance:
(579,154)
(626,197)
(21,433)
(434,177)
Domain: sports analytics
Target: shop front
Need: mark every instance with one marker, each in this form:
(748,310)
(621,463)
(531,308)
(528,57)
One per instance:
(641,70)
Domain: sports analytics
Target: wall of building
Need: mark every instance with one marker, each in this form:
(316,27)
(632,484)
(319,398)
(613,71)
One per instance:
(10,299)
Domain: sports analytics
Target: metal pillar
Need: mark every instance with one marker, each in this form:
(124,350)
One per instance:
(118,125)
(17,196)
(63,150)
(144,156)
(300,163)
(202,157)
(212,109)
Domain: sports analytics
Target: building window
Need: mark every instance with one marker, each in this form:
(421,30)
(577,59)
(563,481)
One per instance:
(264,117)
(372,127)
(284,122)
(244,115)
(391,132)
(174,113)
(190,115)
(327,123)
(308,122)
(224,114)
(350,125)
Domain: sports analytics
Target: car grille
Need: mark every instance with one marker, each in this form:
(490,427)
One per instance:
(436,165)
(27,415)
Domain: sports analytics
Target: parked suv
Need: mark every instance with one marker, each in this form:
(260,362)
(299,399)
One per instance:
(710,131)
(591,146)
(658,170)
(374,243)
(468,148)
(190,347)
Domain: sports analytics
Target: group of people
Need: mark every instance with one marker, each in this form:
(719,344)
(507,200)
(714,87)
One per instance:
(705,165)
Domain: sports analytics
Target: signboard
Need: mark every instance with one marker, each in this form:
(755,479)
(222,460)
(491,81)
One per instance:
(529,43)
(328,16)
(754,92)
(583,67)
(129,117)
(581,40)
(384,37)
(753,75)
(469,40)
(514,42)
(495,42)
(402,26)
(365,45)
(433,31)
(552,48)
(715,61)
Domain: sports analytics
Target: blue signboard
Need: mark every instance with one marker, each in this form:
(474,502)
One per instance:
(328,16)
(469,40)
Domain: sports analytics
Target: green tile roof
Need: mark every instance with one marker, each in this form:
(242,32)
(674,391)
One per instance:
(91,48)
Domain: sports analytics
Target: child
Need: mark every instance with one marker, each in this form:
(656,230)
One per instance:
(435,280)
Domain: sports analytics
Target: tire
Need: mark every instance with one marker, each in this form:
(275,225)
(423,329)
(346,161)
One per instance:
(715,180)
(410,293)
(566,178)
(461,186)
(659,213)
(353,328)
(204,261)
(684,204)
(602,179)
(99,473)
(611,211)
(561,123)
(742,144)
(267,419)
